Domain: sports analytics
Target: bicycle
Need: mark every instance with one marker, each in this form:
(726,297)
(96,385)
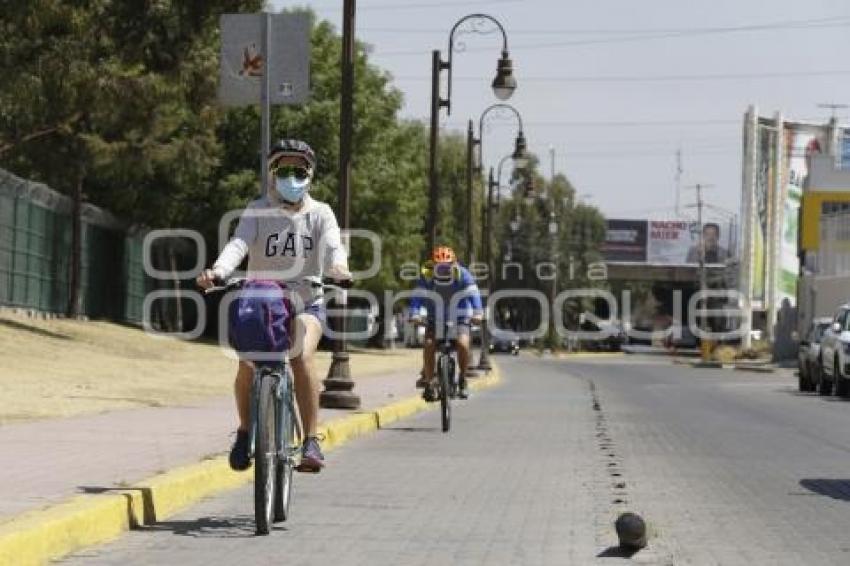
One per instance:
(447,378)
(276,433)
(447,373)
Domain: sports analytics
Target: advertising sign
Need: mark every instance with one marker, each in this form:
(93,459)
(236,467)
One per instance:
(801,142)
(676,242)
(625,240)
(765,171)
(242,65)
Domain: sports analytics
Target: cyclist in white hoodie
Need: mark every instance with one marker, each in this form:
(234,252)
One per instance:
(288,237)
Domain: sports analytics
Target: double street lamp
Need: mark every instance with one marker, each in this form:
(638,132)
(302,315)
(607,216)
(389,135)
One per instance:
(503,85)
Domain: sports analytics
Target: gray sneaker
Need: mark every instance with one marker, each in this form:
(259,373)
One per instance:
(312,459)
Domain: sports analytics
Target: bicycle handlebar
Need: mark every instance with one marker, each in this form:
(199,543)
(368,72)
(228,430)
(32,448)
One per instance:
(326,283)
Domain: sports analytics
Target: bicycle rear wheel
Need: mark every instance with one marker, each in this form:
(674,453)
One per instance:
(443,368)
(265,455)
(288,450)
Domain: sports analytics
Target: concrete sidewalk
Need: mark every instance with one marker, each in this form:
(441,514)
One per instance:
(46,462)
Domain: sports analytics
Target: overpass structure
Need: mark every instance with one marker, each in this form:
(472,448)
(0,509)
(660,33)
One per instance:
(662,256)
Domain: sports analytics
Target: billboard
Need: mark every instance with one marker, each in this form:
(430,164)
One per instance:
(776,163)
(666,242)
(677,242)
(800,143)
(765,171)
(625,240)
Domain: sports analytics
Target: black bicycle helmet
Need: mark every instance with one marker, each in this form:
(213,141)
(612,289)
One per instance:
(293,147)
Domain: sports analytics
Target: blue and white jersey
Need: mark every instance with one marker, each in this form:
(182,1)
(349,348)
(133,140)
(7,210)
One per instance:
(461,285)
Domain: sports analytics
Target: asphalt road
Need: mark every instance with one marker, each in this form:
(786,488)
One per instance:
(728,468)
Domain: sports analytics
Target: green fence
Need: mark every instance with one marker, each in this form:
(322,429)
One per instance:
(35,251)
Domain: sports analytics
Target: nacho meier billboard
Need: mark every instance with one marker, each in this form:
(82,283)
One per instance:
(665,242)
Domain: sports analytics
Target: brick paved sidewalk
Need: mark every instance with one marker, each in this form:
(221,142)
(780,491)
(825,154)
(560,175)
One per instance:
(45,462)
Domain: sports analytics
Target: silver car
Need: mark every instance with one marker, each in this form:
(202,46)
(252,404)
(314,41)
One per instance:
(808,354)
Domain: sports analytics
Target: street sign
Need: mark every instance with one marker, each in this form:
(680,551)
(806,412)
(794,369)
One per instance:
(242,63)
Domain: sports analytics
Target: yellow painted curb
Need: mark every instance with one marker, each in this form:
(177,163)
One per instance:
(399,410)
(38,537)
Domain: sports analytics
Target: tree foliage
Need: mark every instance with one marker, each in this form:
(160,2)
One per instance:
(555,236)
(123,95)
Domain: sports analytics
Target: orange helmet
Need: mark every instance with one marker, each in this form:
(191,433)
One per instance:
(443,254)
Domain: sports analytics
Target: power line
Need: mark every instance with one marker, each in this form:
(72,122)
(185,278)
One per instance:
(665,153)
(423,5)
(795,24)
(649,78)
(614,124)
(612,31)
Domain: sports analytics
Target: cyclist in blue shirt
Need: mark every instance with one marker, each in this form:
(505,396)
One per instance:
(445,278)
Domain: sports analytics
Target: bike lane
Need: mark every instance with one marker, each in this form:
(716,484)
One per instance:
(518,480)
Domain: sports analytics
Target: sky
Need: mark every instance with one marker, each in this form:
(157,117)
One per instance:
(616,87)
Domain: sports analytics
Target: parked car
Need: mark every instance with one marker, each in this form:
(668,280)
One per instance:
(611,335)
(834,357)
(809,352)
(506,342)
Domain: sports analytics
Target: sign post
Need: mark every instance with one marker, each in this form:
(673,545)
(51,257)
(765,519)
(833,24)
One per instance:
(265,60)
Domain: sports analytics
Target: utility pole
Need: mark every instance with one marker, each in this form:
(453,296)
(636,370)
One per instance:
(832,107)
(701,241)
(678,180)
(705,345)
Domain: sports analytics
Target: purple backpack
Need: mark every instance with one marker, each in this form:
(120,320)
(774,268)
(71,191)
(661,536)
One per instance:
(259,319)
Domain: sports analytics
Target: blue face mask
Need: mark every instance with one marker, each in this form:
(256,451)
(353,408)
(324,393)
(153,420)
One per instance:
(292,189)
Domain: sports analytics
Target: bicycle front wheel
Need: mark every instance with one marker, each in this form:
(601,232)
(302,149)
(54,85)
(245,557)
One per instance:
(265,455)
(444,367)
(288,451)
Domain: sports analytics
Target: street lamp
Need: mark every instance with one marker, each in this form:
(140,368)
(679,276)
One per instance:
(339,387)
(553,232)
(484,359)
(503,85)
(519,155)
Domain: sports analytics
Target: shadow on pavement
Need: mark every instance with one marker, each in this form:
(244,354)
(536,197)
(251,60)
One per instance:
(793,391)
(617,552)
(836,489)
(210,527)
(410,429)
(148,510)
(238,527)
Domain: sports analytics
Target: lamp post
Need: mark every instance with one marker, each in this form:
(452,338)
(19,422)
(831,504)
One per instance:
(486,236)
(503,85)
(484,359)
(553,232)
(499,178)
(339,386)
(520,157)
